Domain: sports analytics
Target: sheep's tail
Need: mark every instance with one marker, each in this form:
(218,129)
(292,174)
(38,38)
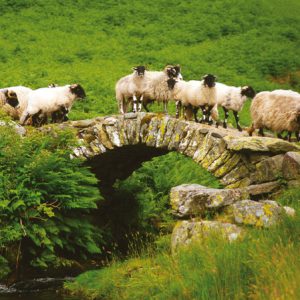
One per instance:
(215,113)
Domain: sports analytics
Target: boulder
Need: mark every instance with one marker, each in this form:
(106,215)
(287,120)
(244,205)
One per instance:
(186,232)
(261,214)
(291,166)
(195,200)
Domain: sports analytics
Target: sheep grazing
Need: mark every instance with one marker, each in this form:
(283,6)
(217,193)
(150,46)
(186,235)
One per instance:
(198,94)
(278,111)
(8,100)
(46,101)
(131,87)
(157,87)
(232,98)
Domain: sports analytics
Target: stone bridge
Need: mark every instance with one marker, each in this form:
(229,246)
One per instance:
(118,144)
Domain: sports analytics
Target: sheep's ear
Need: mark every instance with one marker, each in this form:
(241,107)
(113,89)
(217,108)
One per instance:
(11,94)
(134,68)
(5,92)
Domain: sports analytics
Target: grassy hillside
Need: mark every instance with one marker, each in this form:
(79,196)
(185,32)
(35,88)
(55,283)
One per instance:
(96,42)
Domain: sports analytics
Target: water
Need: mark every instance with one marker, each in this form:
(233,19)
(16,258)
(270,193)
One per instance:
(37,289)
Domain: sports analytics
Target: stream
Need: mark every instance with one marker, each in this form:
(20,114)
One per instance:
(36,289)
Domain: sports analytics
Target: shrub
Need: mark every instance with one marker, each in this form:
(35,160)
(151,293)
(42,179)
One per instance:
(45,198)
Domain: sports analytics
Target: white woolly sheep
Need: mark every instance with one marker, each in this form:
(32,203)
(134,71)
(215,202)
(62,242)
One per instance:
(157,87)
(131,87)
(45,101)
(278,111)
(232,98)
(198,94)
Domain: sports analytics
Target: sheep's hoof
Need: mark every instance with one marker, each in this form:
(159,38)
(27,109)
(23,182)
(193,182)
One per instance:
(240,129)
(224,125)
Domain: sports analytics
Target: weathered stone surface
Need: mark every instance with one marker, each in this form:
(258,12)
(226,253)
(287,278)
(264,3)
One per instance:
(153,129)
(162,132)
(194,144)
(238,173)
(187,232)
(171,125)
(195,200)
(216,150)
(259,144)
(261,214)
(268,170)
(83,123)
(187,138)
(228,165)
(239,184)
(291,165)
(178,134)
(263,188)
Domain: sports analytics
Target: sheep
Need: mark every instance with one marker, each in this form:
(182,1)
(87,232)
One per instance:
(278,111)
(130,87)
(22,95)
(199,94)
(157,87)
(8,100)
(45,101)
(232,98)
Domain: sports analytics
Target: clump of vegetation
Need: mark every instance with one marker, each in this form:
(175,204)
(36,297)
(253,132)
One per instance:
(264,265)
(45,198)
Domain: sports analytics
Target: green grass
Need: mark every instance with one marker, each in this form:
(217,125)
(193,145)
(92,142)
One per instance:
(96,42)
(264,265)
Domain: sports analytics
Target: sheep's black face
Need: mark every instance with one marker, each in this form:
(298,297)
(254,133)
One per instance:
(140,70)
(78,90)
(248,91)
(173,72)
(171,83)
(11,98)
(209,80)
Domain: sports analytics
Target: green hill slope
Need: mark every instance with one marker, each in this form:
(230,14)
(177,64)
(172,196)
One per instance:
(96,42)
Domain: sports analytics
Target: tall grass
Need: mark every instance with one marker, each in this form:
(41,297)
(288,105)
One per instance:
(263,265)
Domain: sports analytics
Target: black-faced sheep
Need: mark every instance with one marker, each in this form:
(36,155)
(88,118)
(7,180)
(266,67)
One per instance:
(198,94)
(129,88)
(45,101)
(232,98)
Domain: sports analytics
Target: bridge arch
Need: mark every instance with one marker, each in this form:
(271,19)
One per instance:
(238,161)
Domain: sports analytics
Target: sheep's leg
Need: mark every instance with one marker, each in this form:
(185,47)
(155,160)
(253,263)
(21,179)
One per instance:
(203,108)
(208,115)
(251,129)
(297,133)
(145,107)
(289,136)
(236,116)
(226,112)
(140,103)
(36,120)
(195,112)
(134,108)
(261,132)
(24,118)
(178,108)
(165,107)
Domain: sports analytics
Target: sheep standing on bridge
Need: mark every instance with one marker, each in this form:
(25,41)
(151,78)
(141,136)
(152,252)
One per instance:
(46,101)
(198,94)
(278,111)
(131,87)
(232,98)
(157,87)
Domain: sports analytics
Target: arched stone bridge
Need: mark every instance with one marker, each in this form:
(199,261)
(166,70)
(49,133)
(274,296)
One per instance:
(260,164)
